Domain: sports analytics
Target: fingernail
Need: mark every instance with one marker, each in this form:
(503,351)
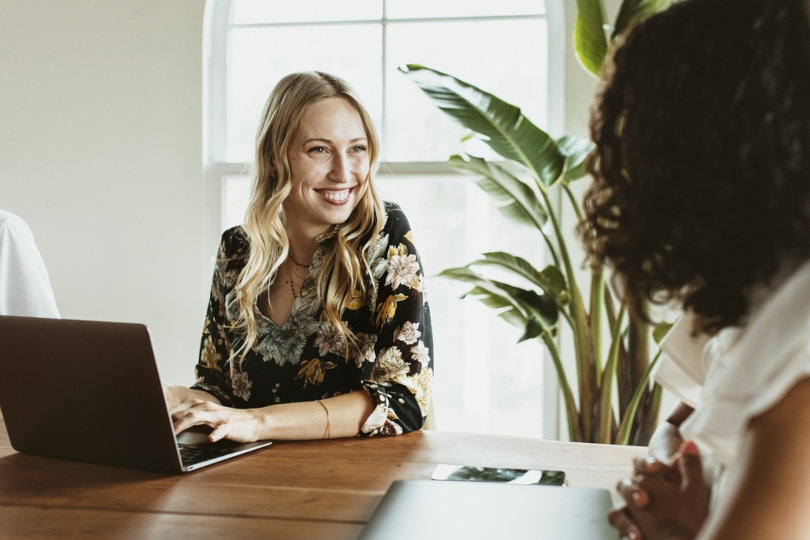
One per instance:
(636,496)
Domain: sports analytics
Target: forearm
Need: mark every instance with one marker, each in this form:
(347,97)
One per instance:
(335,417)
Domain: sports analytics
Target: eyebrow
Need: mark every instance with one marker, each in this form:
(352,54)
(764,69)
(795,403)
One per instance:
(320,139)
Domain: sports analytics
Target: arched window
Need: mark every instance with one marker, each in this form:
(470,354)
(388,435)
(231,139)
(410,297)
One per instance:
(512,48)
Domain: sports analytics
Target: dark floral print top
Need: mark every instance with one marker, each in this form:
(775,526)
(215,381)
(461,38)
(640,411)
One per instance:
(305,360)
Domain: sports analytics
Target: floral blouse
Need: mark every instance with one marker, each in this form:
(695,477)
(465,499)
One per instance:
(304,360)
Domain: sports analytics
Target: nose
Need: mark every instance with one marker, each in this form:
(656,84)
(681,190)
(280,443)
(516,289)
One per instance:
(341,169)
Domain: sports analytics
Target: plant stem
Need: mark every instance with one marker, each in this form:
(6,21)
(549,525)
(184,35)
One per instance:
(573,200)
(638,348)
(606,386)
(596,308)
(574,428)
(586,374)
(625,428)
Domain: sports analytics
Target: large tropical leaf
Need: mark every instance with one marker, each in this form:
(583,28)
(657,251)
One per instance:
(550,280)
(534,312)
(590,41)
(633,11)
(542,310)
(519,201)
(499,124)
(576,151)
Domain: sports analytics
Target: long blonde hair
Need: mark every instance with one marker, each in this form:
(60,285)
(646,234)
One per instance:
(345,262)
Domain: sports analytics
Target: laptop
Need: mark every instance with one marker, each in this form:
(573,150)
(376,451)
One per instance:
(437,510)
(90,391)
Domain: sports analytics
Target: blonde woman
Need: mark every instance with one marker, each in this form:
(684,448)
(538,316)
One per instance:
(317,325)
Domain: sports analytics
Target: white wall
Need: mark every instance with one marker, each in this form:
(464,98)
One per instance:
(100,151)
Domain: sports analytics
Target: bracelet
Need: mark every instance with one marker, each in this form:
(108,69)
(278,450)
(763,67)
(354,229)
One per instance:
(327,435)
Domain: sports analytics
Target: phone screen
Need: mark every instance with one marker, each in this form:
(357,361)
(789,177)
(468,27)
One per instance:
(471,473)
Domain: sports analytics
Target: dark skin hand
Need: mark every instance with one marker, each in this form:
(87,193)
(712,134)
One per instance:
(769,490)
(663,501)
(659,474)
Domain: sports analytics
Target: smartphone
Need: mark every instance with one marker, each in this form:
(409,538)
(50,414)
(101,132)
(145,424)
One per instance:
(471,473)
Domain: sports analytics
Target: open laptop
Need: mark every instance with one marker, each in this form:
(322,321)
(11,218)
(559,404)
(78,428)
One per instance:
(90,391)
(436,510)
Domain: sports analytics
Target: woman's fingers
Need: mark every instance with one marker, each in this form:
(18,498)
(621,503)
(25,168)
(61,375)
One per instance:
(196,412)
(646,465)
(620,520)
(690,466)
(632,493)
(219,432)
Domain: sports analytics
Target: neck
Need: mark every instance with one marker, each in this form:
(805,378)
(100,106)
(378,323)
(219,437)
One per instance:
(302,247)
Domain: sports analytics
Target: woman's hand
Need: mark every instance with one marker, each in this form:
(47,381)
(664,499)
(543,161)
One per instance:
(663,501)
(240,425)
(180,396)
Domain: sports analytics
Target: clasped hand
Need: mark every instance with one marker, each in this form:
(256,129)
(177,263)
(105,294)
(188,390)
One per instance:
(187,410)
(663,502)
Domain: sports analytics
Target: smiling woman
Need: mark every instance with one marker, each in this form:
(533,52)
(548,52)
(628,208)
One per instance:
(514,48)
(318,325)
(330,166)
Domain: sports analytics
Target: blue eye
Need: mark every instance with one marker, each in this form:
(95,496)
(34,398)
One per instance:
(359,149)
(317,150)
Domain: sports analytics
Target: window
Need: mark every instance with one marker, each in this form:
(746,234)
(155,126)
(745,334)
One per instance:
(513,48)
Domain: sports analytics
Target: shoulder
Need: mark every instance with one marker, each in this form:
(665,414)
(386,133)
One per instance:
(13,224)
(15,234)
(234,243)
(751,369)
(396,222)
(773,457)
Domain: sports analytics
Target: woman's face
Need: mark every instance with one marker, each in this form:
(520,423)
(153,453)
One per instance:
(329,162)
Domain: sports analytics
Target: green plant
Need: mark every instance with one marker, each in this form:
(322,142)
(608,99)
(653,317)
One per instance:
(537,173)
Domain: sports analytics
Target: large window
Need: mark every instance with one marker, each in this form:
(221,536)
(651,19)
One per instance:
(484,381)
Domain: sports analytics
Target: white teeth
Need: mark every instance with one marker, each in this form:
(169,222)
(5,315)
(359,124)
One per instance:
(336,196)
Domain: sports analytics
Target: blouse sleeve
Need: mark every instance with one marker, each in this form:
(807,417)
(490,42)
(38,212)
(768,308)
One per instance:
(681,369)
(213,366)
(25,288)
(400,376)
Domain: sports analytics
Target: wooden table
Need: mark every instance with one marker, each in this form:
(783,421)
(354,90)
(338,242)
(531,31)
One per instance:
(288,491)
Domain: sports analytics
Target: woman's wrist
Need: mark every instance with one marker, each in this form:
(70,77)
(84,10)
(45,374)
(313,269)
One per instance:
(263,420)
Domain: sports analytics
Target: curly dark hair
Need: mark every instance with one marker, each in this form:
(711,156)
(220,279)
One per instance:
(702,161)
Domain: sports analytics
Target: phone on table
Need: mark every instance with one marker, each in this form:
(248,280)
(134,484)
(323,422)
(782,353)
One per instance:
(472,473)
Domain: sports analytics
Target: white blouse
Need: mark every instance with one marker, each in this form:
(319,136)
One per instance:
(739,373)
(25,288)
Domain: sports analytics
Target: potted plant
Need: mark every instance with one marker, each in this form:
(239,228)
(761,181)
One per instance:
(537,170)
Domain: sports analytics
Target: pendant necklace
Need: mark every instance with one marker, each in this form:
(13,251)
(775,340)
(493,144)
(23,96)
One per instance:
(295,293)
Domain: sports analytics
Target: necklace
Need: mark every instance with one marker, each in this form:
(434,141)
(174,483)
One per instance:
(292,289)
(296,263)
(295,293)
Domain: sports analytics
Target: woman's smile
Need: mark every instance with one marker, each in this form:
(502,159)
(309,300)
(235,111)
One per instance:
(335,196)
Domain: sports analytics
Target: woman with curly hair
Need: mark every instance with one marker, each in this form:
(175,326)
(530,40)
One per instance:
(318,324)
(701,198)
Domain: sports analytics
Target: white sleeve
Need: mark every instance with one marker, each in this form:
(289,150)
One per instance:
(25,288)
(681,369)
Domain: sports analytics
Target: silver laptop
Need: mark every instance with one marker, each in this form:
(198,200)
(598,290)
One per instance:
(437,510)
(90,391)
